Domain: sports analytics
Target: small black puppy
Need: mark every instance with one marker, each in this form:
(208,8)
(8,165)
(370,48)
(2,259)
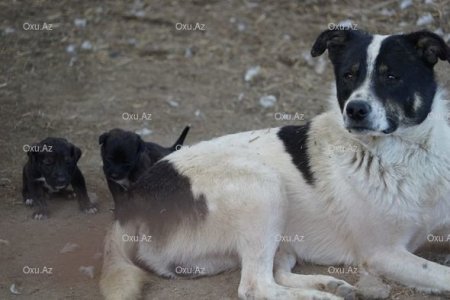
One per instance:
(51,168)
(126,156)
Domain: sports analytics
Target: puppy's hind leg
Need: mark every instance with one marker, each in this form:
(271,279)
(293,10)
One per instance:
(121,279)
(260,224)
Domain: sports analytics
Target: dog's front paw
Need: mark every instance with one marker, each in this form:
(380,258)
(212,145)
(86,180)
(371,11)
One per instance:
(341,289)
(28,202)
(40,215)
(90,209)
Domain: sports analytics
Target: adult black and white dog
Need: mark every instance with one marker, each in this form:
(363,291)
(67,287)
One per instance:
(362,184)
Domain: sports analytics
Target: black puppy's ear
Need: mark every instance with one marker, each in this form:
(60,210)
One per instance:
(102,138)
(32,154)
(429,46)
(76,152)
(331,40)
(140,144)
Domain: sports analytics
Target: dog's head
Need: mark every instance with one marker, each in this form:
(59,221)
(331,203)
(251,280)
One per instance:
(120,152)
(55,159)
(383,82)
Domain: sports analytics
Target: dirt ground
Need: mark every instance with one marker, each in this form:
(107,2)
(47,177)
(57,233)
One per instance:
(106,58)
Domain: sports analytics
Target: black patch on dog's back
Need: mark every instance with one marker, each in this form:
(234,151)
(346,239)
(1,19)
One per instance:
(295,139)
(163,200)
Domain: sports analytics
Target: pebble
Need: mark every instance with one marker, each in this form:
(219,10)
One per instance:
(144,131)
(425,20)
(69,247)
(80,23)
(86,45)
(88,271)
(267,101)
(251,73)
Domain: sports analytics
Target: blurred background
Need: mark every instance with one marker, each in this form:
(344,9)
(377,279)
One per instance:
(75,69)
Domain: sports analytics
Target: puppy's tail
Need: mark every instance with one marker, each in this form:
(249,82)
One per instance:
(120,279)
(181,139)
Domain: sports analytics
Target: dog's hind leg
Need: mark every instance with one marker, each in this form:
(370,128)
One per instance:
(285,260)
(257,244)
(121,279)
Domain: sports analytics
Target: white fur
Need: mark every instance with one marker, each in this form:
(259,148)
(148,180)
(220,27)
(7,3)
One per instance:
(365,92)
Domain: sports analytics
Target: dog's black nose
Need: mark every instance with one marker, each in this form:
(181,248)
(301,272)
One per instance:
(61,180)
(358,110)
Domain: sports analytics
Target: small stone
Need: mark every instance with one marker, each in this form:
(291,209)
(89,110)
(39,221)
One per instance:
(88,271)
(143,131)
(173,103)
(80,23)
(69,247)
(405,4)
(71,49)
(267,101)
(251,73)
(86,45)
(13,289)
(425,20)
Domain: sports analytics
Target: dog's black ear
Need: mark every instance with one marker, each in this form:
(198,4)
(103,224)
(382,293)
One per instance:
(76,152)
(32,154)
(333,41)
(140,144)
(430,46)
(102,138)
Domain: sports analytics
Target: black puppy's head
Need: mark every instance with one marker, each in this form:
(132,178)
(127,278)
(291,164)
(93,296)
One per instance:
(55,159)
(383,82)
(120,153)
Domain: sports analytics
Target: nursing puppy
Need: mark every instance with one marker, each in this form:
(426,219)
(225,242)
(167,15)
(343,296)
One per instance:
(51,168)
(126,156)
(362,184)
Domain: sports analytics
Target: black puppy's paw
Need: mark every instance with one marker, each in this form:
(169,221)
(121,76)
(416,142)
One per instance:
(40,215)
(28,202)
(90,208)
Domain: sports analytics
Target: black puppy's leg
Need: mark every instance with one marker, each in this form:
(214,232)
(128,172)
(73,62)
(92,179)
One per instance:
(79,187)
(37,193)
(118,192)
(27,198)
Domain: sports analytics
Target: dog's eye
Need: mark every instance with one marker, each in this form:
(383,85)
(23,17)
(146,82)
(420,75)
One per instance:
(349,76)
(48,161)
(391,78)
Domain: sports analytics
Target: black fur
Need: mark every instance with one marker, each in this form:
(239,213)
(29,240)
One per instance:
(52,167)
(403,70)
(126,157)
(163,200)
(347,50)
(295,139)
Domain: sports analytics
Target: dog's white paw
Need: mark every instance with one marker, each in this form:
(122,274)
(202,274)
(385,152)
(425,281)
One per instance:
(40,216)
(91,210)
(341,289)
(29,202)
